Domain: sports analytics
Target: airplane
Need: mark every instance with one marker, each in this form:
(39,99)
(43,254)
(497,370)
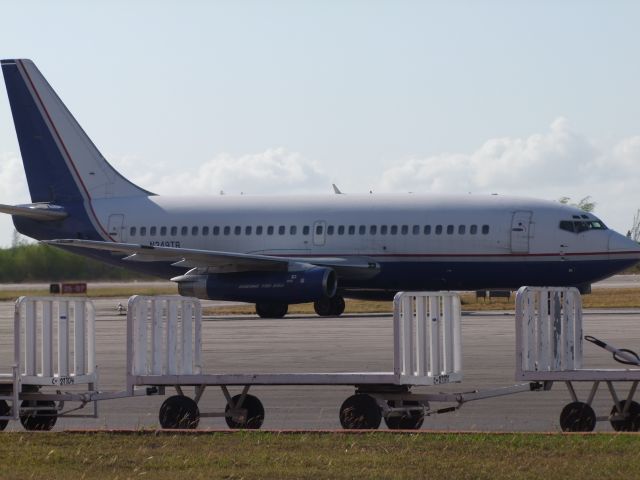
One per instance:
(275,251)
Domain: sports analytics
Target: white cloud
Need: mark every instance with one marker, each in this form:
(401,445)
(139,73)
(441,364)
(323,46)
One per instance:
(12,179)
(556,158)
(13,186)
(272,171)
(556,163)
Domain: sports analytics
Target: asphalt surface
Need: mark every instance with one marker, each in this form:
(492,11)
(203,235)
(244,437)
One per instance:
(351,343)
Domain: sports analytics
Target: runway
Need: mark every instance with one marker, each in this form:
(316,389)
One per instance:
(356,343)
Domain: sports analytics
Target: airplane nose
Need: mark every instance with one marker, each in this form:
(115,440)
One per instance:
(619,243)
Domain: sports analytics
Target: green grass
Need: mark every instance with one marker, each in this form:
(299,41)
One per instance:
(318,455)
(600,298)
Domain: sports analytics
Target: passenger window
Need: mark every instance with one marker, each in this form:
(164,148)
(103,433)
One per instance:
(449,229)
(416,229)
(292,230)
(174,230)
(194,231)
(184,231)
(281,230)
(270,230)
(473,229)
(163,231)
(132,231)
(216,230)
(427,229)
(373,230)
(405,229)
(237,230)
(259,230)
(461,229)
(383,229)
(341,230)
(394,229)
(227,230)
(438,229)
(247,230)
(205,230)
(330,230)
(352,229)
(143,231)
(305,230)
(485,229)
(362,229)
(152,231)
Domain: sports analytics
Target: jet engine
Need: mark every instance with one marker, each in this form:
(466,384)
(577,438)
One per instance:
(287,287)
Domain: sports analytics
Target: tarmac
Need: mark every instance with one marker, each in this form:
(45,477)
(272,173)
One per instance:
(350,343)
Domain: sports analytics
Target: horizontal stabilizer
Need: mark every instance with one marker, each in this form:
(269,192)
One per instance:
(45,212)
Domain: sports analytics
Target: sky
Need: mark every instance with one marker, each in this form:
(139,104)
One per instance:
(538,99)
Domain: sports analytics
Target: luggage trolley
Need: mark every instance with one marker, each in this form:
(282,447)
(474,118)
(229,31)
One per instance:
(164,350)
(549,349)
(54,349)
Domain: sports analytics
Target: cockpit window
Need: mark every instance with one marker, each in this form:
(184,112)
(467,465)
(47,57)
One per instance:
(579,226)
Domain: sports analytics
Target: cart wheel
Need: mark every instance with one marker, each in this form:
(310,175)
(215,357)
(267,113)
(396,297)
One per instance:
(630,422)
(409,420)
(179,411)
(577,417)
(42,419)
(4,412)
(360,411)
(255,413)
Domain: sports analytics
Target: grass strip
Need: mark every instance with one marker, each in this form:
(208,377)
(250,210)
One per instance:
(98,292)
(319,455)
(599,298)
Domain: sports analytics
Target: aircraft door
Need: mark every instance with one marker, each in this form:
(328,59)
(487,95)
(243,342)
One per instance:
(116,228)
(520,232)
(319,232)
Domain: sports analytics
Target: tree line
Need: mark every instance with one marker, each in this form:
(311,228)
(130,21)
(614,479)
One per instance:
(42,263)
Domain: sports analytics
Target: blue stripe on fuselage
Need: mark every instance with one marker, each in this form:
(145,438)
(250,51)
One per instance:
(460,275)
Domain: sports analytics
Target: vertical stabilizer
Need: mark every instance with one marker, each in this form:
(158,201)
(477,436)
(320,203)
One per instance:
(61,162)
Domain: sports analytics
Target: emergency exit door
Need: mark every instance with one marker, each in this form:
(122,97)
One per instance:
(520,232)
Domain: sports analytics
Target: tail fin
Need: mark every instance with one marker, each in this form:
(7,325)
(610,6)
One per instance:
(61,162)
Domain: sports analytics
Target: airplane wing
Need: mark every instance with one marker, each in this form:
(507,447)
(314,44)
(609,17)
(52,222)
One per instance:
(221,262)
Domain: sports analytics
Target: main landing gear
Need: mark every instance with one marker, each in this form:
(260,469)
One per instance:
(329,307)
(272,310)
(325,307)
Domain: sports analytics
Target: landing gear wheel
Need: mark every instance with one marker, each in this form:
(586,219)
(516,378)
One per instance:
(577,417)
(338,305)
(631,421)
(410,420)
(323,307)
(255,413)
(44,418)
(272,310)
(360,412)
(179,411)
(329,307)
(4,411)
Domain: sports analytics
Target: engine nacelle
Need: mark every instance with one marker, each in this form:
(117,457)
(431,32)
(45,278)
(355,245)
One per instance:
(255,287)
